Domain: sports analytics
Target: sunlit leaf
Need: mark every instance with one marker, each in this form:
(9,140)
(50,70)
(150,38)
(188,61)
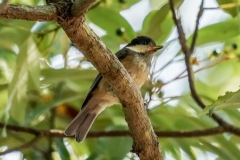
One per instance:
(228,101)
(100,15)
(230,6)
(61,149)
(158,24)
(117,5)
(218,32)
(104,145)
(43,108)
(25,78)
(53,75)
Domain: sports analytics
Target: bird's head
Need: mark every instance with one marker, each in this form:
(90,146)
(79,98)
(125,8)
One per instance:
(143,44)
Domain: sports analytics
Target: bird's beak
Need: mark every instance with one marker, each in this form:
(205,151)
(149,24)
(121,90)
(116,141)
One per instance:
(155,48)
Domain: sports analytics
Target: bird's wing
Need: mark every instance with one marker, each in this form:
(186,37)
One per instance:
(120,55)
(94,85)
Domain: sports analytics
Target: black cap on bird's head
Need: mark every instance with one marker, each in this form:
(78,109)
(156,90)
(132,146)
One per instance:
(142,40)
(143,44)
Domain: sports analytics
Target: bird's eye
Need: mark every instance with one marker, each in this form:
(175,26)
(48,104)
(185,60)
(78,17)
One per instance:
(144,42)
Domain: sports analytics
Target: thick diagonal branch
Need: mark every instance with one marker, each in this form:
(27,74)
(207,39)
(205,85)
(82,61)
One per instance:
(144,138)
(145,141)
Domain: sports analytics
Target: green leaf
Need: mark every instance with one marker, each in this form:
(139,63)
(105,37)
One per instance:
(43,108)
(218,32)
(3,87)
(158,24)
(54,75)
(42,28)
(184,145)
(100,16)
(169,146)
(230,6)
(51,39)
(12,37)
(228,101)
(25,78)
(118,152)
(231,150)
(17,24)
(157,3)
(117,5)
(61,149)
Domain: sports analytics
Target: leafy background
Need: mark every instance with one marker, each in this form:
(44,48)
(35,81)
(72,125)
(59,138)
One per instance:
(44,80)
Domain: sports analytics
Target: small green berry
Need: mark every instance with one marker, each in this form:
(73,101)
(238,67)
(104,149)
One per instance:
(216,52)
(122,1)
(234,46)
(120,31)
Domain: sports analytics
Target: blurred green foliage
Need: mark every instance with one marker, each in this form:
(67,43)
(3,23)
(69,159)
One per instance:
(42,84)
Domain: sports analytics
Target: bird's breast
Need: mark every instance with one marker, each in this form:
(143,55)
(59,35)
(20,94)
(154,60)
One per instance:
(137,67)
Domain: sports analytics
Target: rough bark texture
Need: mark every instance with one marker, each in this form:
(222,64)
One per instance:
(30,13)
(80,7)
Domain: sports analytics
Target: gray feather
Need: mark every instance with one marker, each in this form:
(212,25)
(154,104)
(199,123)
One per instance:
(82,123)
(72,127)
(84,127)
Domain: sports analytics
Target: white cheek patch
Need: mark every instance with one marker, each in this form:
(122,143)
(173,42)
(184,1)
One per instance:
(138,48)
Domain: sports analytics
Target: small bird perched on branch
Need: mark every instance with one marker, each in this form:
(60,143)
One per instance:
(136,58)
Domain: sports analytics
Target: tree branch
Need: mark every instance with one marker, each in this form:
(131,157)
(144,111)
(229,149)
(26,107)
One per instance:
(80,7)
(60,134)
(195,33)
(30,13)
(4,5)
(145,140)
(187,52)
(53,133)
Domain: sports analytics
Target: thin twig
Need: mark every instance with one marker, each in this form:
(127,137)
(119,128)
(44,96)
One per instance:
(191,134)
(195,33)
(167,134)
(187,54)
(84,4)
(176,78)
(43,33)
(196,71)
(177,20)
(211,8)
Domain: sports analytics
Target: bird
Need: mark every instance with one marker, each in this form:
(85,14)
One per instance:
(136,57)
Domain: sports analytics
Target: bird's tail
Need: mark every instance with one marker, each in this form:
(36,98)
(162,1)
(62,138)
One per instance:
(81,124)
